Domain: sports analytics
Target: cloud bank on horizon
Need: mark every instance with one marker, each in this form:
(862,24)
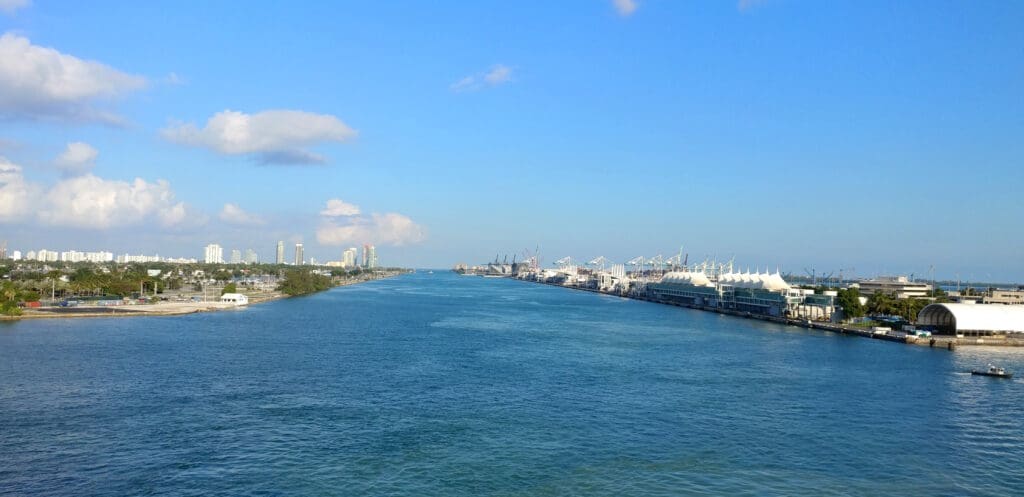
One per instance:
(86,201)
(342,224)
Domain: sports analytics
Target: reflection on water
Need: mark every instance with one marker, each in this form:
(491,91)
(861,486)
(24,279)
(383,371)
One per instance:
(446,385)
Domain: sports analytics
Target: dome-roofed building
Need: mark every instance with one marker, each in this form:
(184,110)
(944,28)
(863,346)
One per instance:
(972,319)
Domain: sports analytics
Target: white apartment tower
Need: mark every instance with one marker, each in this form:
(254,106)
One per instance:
(213,254)
(280,252)
(298,254)
(348,257)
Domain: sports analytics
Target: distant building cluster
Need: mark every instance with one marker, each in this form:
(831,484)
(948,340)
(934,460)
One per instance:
(44,255)
(350,258)
(213,253)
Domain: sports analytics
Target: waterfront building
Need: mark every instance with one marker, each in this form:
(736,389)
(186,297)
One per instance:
(972,319)
(366,255)
(234,298)
(280,252)
(236,256)
(997,296)
(251,257)
(371,260)
(348,257)
(16,255)
(299,260)
(756,293)
(213,254)
(897,286)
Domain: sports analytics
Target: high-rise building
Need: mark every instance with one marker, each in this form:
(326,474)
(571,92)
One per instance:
(250,256)
(366,255)
(213,254)
(236,256)
(348,257)
(280,252)
(298,254)
(372,258)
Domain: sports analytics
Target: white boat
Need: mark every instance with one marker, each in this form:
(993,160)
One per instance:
(993,371)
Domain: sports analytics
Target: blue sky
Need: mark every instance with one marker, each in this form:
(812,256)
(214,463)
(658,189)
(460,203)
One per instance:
(881,136)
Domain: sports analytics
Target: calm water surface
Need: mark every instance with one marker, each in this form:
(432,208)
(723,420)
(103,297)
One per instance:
(447,385)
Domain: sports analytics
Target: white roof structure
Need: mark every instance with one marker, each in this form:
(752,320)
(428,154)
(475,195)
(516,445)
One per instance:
(764,281)
(973,317)
(687,278)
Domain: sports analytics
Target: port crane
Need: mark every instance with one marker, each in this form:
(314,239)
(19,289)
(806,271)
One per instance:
(598,261)
(637,261)
(657,262)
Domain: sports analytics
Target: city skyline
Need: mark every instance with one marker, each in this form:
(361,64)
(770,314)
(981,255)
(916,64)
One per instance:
(866,135)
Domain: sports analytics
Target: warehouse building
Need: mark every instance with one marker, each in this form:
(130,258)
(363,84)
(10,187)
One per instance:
(972,319)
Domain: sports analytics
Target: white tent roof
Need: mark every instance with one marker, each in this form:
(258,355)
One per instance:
(687,278)
(974,317)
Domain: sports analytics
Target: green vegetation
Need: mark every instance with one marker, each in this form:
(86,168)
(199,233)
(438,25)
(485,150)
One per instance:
(881,303)
(302,282)
(849,300)
(229,288)
(9,299)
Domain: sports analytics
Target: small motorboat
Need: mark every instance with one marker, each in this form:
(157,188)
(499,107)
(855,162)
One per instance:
(993,371)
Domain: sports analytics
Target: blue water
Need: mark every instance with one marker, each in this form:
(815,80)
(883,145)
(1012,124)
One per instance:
(447,385)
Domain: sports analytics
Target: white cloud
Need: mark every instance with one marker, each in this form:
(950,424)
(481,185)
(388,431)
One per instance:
(88,201)
(625,7)
(498,74)
(15,193)
(745,5)
(42,83)
(464,84)
(378,229)
(339,208)
(234,214)
(77,158)
(10,6)
(343,225)
(174,80)
(272,137)
(91,202)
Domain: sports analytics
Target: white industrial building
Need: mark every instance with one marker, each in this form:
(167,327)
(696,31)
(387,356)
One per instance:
(972,319)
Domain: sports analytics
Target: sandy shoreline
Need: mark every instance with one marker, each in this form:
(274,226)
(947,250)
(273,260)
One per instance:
(161,309)
(135,310)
